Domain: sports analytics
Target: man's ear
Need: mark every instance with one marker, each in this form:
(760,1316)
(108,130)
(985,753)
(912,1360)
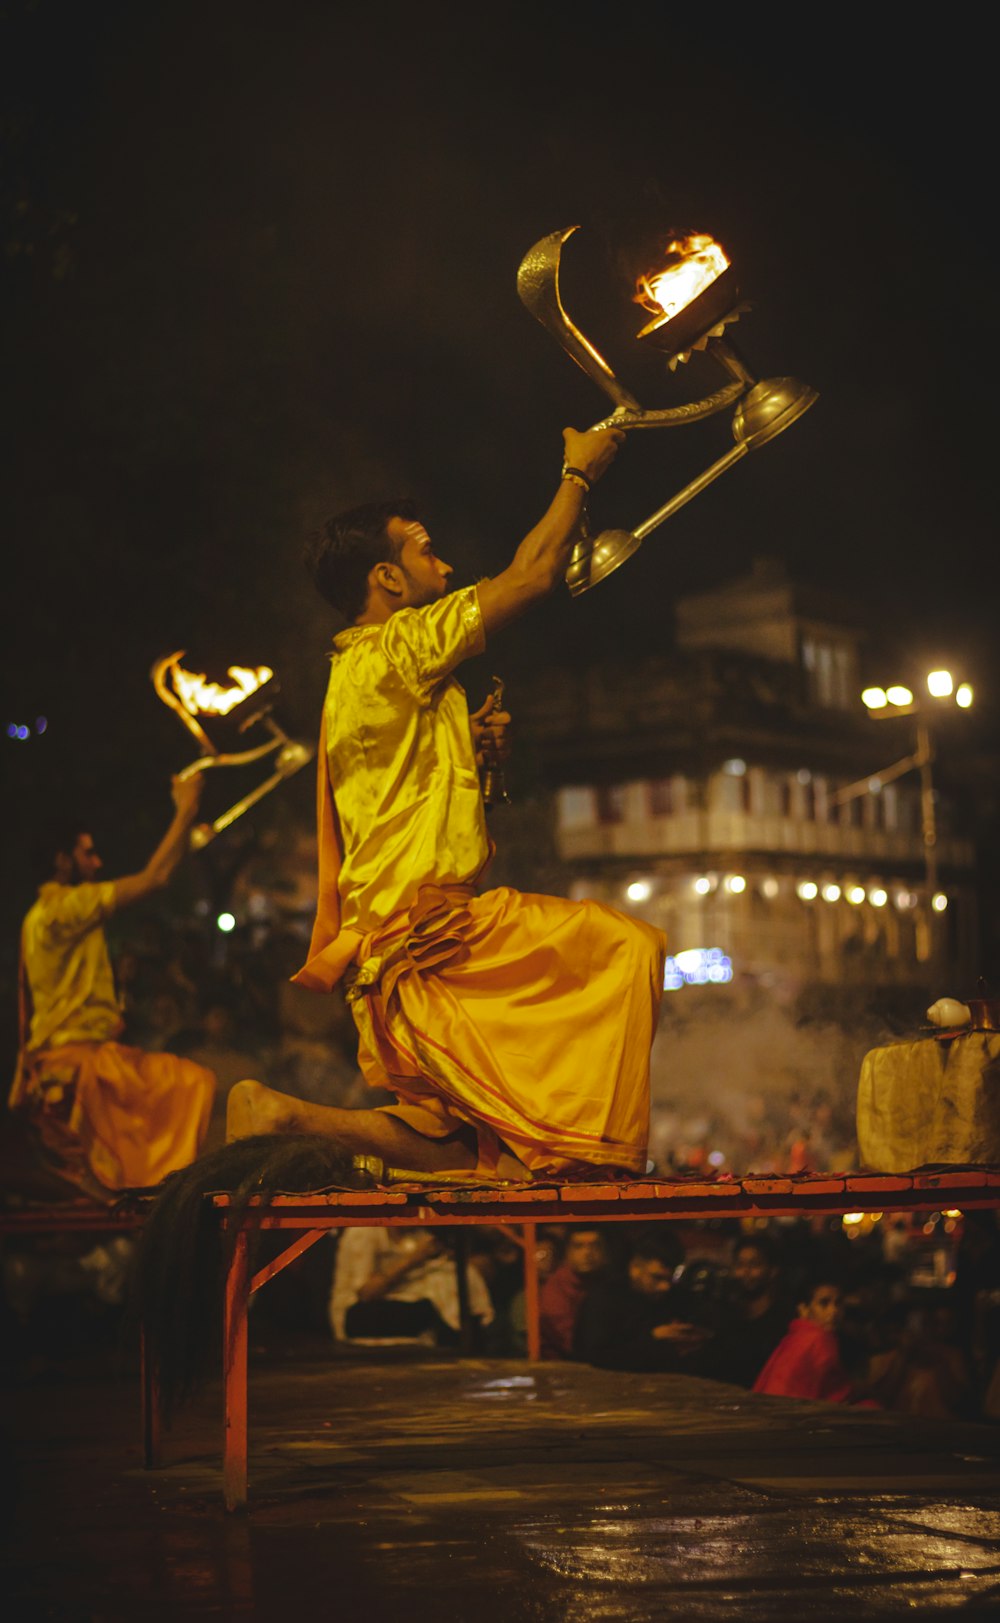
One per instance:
(388,577)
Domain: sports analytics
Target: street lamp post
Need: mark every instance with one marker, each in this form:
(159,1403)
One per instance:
(899,701)
(928,814)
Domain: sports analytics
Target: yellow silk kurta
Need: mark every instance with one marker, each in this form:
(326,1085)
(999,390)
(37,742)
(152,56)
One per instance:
(68,968)
(124,1117)
(401,758)
(527,1018)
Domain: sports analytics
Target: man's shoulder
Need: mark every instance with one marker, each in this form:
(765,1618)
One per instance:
(71,904)
(562,1282)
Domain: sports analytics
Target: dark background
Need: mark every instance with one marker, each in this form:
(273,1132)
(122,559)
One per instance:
(260,264)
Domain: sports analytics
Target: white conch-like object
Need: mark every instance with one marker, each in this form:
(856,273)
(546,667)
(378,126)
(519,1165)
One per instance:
(947,1011)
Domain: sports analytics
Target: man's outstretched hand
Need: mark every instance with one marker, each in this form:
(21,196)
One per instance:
(591,452)
(186,794)
(490,733)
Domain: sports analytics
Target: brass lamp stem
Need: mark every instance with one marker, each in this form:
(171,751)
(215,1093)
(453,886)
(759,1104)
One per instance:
(731,361)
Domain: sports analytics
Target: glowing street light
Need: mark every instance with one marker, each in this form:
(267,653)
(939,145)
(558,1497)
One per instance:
(899,700)
(940,684)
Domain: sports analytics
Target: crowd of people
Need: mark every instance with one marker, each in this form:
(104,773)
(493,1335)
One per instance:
(791,1309)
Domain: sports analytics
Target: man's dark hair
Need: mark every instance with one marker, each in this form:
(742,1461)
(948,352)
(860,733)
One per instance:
(342,555)
(57,836)
(653,1244)
(763,1244)
(814,1280)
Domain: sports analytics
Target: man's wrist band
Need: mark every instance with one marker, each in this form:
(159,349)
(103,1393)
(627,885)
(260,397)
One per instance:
(576,476)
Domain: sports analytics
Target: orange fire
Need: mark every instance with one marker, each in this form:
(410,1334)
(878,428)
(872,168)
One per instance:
(203,698)
(692,263)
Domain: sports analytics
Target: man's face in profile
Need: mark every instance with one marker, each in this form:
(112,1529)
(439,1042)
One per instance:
(649,1276)
(426,575)
(752,1272)
(79,866)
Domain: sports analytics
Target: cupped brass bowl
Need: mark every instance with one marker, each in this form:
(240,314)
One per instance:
(769,408)
(596,557)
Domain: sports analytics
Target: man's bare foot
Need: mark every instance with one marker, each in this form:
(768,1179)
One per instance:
(252,1108)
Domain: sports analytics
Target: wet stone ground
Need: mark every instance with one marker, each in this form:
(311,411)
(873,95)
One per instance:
(419,1487)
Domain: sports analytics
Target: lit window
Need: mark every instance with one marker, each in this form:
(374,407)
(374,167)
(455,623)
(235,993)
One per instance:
(576,808)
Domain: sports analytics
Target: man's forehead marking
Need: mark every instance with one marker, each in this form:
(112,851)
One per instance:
(414,528)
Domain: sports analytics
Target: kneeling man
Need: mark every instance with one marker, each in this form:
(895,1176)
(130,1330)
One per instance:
(514,1030)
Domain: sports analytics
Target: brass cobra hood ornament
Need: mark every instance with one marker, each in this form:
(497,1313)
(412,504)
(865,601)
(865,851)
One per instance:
(693,300)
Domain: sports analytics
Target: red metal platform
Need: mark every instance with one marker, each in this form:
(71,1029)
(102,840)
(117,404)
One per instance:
(517,1208)
(523,1207)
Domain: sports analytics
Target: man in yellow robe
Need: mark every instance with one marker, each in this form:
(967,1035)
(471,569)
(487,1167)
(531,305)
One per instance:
(110,1116)
(513,1029)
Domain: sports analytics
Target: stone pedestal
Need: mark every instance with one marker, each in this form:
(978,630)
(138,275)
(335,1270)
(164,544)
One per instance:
(936,1100)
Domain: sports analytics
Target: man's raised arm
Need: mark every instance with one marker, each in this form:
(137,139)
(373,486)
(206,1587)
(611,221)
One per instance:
(541,560)
(166,858)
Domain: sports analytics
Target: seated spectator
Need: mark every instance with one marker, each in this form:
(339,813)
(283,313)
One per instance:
(508,1337)
(807,1363)
(393,1284)
(563,1292)
(499,1259)
(758,1313)
(925,1373)
(629,1321)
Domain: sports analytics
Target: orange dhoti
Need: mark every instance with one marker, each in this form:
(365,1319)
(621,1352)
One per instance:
(528,1018)
(125,1116)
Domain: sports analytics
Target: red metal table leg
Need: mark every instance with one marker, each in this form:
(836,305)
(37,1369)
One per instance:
(234,1376)
(531,1291)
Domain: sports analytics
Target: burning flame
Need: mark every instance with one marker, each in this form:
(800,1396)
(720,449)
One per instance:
(693,262)
(202,698)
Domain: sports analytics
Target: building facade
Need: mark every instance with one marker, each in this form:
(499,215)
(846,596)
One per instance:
(704,790)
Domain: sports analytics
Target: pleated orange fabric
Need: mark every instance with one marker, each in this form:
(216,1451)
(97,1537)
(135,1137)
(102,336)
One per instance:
(129,1117)
(529,1018)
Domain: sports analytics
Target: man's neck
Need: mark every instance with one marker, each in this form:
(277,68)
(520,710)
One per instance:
(373,617)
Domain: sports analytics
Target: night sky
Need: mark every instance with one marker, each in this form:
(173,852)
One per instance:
(261,265)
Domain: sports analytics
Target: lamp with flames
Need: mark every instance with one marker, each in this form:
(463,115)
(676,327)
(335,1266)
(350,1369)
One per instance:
(199,703)
(692,299)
